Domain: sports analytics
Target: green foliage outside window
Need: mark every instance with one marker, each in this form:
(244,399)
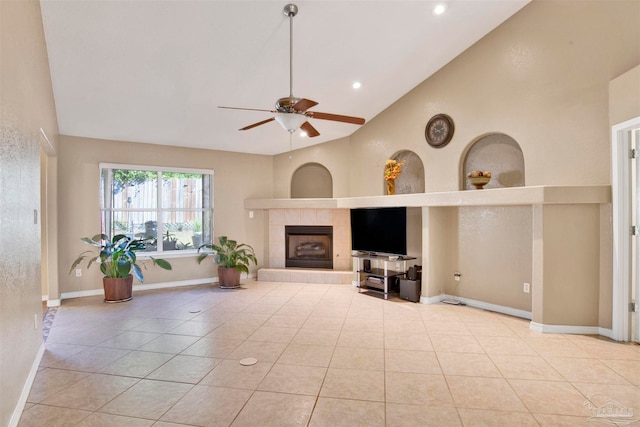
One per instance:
(128,177)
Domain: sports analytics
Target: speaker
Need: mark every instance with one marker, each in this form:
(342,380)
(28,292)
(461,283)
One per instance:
(410,290)
(366,265)
(412,274)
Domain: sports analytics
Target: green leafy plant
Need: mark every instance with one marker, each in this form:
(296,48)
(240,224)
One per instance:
(229,254)
(169,237)
(117,256)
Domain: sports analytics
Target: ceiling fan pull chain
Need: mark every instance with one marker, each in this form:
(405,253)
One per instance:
(290,145)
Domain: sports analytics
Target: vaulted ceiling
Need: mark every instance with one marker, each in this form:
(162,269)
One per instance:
(156,71)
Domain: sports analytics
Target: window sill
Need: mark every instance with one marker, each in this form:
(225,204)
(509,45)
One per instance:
(166,255)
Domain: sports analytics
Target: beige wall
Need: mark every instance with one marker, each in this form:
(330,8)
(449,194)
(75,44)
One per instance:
(26,105)
(624,96)
(334,155)
(543,79)
(236,177)
(311,180)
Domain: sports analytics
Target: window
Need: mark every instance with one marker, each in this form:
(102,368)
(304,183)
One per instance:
(171,208)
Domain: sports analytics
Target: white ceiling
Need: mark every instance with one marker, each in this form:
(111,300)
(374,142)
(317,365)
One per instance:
(155,71)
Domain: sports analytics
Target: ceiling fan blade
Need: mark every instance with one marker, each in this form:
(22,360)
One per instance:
(335,117)
(310,130)
(248,109)
(304,104)
(257,124)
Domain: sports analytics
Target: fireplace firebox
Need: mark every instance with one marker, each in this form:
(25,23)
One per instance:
(308,246)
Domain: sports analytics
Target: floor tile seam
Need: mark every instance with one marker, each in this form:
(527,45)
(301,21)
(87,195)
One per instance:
(89,413)
(509,381)
(172,406)
(324,378)
(106,403)
(57,390)
(527,410)
(560,378)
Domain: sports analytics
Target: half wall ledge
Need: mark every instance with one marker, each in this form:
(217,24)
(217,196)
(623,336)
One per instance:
(513,196)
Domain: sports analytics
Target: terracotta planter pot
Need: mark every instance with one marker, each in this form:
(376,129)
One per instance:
(229,278)
(117,290)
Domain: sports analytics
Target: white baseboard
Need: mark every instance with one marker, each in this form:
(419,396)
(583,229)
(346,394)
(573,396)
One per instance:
(93,292)
(565,329)
(26,389)
(479,304)
(606,333)
(431,300)
(54,303)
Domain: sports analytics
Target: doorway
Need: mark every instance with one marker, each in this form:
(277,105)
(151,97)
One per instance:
(626,230)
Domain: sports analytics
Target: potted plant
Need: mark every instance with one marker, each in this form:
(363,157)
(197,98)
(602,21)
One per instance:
(169,241)
(232,259)
(117,258)
(196,238)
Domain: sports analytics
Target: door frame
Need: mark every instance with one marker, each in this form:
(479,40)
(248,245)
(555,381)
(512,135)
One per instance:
(621,210)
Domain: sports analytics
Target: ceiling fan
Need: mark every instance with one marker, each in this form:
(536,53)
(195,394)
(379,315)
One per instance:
(291,112)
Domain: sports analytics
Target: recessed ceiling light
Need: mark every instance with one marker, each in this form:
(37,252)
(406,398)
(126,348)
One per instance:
(439,9)
(356,85)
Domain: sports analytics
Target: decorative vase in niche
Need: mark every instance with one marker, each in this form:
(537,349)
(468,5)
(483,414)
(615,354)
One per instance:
(391,187)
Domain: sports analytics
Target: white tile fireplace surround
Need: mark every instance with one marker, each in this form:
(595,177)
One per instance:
(339,219)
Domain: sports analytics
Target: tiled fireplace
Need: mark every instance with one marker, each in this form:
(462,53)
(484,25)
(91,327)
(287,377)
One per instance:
(338,219)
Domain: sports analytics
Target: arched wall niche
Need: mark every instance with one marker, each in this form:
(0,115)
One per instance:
(411,179)
(499,154)
(311,180)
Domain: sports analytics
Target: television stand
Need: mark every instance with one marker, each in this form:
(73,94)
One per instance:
(377,277)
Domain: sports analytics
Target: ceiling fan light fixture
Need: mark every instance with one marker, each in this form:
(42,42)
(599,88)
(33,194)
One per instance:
(291,122)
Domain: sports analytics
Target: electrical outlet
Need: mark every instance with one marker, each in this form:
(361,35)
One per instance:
(78,272)
(456,276)
(251,214)
(526,288)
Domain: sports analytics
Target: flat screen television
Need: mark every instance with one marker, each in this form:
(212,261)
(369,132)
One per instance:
(379,230)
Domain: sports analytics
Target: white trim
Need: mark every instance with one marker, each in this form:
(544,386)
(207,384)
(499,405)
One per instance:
(52,149)
(479,304)
(81,294)
(154,168)
(564,329)
(163,285)
(431,300)
(93,292)
(26,389)
(53,303)
(621,224)
(45,298)
(605,332)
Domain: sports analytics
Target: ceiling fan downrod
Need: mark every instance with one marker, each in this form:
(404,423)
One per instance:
(290,10)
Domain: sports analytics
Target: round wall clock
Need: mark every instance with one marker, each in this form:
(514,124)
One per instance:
(439,130)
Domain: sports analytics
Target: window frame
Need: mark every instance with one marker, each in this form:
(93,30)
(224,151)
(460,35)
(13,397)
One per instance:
(106,210)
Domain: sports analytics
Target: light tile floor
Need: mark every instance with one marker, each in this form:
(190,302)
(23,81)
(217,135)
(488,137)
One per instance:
(327,356)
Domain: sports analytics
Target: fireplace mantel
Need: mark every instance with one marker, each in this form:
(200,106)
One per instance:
(514,196)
